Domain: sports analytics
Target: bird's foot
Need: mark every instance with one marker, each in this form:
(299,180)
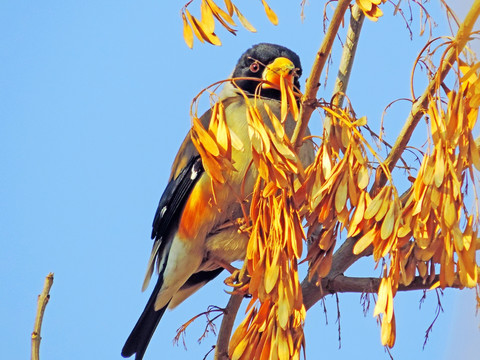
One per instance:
(240,286)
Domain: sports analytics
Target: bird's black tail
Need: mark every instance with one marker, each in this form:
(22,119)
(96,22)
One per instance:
(141,334)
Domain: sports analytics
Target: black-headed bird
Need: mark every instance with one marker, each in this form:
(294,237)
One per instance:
(195,231)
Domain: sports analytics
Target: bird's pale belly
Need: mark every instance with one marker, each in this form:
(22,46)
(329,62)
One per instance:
(225,246)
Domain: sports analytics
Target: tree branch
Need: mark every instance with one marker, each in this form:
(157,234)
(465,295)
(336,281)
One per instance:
(344,284)
(223,339)
(341,261)
(309,98)
(41,305)
(230,313)
(348,55)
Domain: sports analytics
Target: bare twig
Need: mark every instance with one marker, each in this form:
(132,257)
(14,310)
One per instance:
(339,327)
(41,305)
(312,85)
(209,325)
(208,353)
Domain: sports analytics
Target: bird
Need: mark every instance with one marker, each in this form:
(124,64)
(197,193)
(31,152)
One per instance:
(195,231)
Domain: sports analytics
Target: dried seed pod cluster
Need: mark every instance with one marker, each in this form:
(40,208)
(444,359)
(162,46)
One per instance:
(204,28)
(335,186)
(215,144)
(273,327)
(436,213)
(435,226)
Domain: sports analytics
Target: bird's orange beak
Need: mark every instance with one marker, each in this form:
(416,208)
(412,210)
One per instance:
(280,68)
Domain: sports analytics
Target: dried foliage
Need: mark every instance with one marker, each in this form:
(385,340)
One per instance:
(434,224)
(335,185)
(210,13)
(215,144)
(371,8)
(426,238)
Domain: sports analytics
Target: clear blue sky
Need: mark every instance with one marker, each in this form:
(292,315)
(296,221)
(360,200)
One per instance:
(94,102)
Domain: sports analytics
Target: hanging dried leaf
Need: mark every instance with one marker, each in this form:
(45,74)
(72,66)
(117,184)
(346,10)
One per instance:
(187,32)
(208,22)
(270,13)
(243,20)
(229,5)
(219,13)
(194,26)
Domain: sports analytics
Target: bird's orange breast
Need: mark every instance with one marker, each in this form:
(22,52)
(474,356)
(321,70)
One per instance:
(199,211)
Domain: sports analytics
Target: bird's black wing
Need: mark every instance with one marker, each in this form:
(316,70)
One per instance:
(169,209)
(174,197)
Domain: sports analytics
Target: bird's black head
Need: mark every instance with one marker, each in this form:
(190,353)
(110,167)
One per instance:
(254,62)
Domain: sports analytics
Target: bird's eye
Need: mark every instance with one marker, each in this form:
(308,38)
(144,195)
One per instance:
(254,67)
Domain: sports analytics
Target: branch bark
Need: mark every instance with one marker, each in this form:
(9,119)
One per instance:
(341,261)
(230,313)
(344,284)
(41,305)
(309,98)
(348,55)
(223,339)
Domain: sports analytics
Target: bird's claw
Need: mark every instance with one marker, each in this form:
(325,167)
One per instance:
(239,287)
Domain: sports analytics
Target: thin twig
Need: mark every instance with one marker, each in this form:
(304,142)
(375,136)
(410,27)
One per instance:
(438,311)
(339,327)
(208,353)
(41,305)
(312,85)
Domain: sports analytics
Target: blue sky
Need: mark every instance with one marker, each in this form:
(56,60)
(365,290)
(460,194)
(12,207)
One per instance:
(94,102)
